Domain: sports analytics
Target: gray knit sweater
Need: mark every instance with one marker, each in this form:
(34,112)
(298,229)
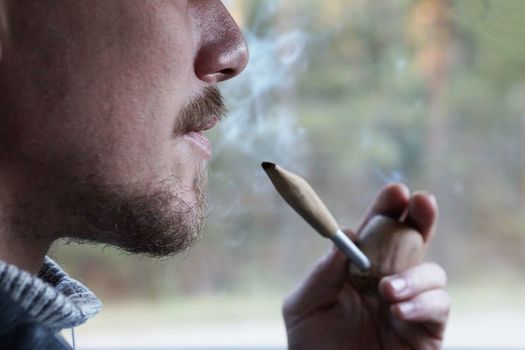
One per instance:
(53,298)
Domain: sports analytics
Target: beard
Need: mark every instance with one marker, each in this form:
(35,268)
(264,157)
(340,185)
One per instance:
(160,220)
(156,222)
(71,198)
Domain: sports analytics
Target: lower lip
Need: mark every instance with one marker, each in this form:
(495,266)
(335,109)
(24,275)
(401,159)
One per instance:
(201,142)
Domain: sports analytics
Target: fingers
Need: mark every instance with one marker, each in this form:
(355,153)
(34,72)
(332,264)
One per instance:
(413,281)
(422,320)
(392,201)
(430,307)
(418,295)
(418,210)
(422,213)
(322,285)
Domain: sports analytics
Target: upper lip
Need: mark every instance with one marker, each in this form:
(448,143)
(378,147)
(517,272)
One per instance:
(205,124)
(202,112)
(201,125)
(198,124)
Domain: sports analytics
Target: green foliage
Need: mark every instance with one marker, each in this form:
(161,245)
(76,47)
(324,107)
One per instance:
(374,107)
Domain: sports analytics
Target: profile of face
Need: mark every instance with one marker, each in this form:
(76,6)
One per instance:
(103,104)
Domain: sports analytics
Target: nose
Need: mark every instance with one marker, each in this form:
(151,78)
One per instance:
(222,52)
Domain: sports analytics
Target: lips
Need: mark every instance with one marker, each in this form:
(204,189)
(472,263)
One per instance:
(201,113)
(201,142)
(198,139)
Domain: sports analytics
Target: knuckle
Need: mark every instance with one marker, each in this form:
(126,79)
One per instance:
(447,302)
(290,303)
(439,301)
(286,307)
(437,272)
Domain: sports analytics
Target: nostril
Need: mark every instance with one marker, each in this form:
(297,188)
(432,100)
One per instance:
(228,71)
(222,52)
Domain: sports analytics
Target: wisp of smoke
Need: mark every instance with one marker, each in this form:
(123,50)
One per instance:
(262,121)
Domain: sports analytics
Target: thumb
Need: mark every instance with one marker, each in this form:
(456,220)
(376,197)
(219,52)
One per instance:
(322,284)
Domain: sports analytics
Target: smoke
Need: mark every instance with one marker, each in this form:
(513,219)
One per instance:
(392,176)
(262,120)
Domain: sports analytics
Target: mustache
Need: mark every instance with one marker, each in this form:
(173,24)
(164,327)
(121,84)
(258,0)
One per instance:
(202,112)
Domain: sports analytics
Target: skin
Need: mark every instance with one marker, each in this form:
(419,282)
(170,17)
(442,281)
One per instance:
(98,99)
(327,312)
(92,96)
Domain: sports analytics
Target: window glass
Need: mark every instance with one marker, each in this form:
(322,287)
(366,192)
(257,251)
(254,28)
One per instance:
(351,94)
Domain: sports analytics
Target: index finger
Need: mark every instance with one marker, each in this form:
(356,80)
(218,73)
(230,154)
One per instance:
(392,201)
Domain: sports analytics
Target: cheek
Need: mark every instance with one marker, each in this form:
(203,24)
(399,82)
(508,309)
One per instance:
(149,81)
(121,87)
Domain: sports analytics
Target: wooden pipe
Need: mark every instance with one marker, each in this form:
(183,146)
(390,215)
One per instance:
(384,247)
(301,197)
(391,246)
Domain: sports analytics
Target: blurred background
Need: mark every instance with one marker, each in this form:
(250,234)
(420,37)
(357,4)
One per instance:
(351,94)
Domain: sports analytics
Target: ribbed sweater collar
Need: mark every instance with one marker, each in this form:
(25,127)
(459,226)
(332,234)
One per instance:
(52,298)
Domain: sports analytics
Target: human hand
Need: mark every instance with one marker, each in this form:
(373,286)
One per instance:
(409,312)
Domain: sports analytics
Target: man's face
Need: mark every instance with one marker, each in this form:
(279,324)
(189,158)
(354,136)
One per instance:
(102,106)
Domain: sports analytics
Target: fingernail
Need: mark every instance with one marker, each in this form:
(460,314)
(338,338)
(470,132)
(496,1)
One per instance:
(399,285)
(406,308)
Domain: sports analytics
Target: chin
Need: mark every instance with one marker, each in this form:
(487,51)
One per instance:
(161,221)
